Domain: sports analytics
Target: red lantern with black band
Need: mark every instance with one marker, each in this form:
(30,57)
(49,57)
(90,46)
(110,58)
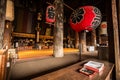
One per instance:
(85,18)
(50,14)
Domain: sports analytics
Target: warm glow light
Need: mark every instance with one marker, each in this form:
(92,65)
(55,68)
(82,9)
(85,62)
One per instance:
(85,18)
(10,10)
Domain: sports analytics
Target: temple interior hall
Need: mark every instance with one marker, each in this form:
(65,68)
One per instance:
(56,39)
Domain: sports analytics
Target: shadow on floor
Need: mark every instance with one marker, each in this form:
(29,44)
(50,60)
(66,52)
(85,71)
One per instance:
(25,70)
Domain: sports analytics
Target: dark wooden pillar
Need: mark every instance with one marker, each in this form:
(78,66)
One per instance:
(116,39)
(83,40)
(110,32)
(2,54)
(2,20)
(3,60)
(37,32)
(77,40)
(93,36)
(113,36)
(58,29)
(118,9)
(7,34)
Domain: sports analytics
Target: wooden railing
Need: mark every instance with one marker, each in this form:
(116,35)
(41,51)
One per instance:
(15,34)
(28,35)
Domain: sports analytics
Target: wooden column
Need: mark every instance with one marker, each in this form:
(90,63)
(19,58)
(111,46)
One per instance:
(37,32)
(116,39)
(118,9)
(7,34)
(111,53)
(113,37)
(83,41)
(3,60)
(99,36)
(58,29)
(77,40)
(93,36)
(2,20)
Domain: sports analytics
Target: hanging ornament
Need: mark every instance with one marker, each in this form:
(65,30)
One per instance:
(10,10)
(85,18)
(50,14)
(103,28)
(39,17)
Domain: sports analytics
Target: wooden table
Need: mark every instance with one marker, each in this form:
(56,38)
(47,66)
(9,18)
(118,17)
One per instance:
(71,72)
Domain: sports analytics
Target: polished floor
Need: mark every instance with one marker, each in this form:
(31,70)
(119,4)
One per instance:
(27,69)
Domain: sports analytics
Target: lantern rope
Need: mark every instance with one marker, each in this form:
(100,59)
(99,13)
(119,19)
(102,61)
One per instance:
(68,6)
(63,4)
(49,3)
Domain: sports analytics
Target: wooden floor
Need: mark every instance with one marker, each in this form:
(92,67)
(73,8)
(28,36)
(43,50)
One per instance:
(71,72)
(87,55)
(24,68)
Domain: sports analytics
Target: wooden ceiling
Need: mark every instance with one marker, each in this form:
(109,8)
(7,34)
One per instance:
(74,4)
(40,5)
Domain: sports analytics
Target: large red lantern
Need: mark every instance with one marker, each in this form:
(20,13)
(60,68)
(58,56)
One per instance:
(50,14)
(85,18)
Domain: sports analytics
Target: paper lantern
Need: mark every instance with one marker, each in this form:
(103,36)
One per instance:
(10,10)
(50,14)
(103,28)
(85,18)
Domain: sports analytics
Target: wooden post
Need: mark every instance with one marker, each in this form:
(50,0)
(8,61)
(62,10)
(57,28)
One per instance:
(58,29)
(7,34)
(99,36)
(116,39)
(2,20)
(3,60)
(77,40)
(93,36)
(37,33)
(83,41)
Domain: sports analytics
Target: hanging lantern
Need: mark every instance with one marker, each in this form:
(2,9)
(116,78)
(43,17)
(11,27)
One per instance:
(85,18)
(10,10)
(50,14)
(103,28)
